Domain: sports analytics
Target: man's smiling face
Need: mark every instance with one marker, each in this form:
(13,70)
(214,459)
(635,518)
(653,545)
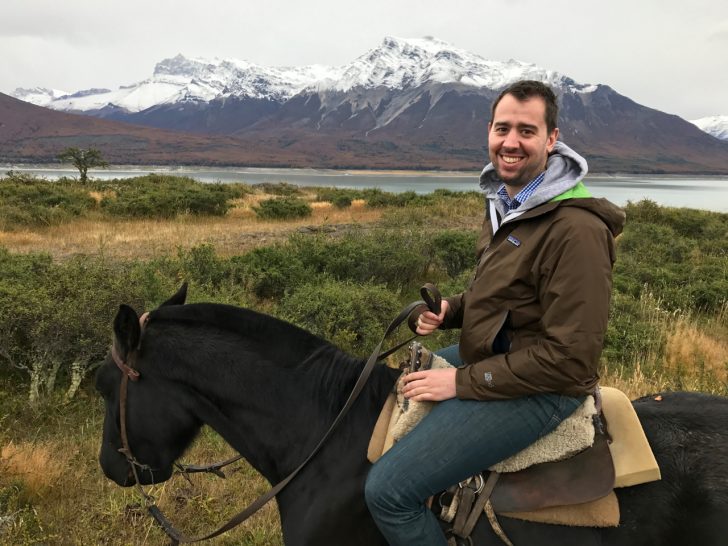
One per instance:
(519,141)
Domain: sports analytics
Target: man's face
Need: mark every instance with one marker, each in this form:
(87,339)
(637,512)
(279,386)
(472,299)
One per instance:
(518,140)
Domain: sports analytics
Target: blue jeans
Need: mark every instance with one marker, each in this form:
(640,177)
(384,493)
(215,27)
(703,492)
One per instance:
(457,439)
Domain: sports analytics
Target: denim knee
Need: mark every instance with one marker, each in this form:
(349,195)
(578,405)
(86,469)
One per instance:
(380,492)
(376,489)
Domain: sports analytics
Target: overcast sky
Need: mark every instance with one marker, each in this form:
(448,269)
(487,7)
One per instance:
(667,54)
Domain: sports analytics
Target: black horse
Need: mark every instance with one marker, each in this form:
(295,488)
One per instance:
(271,390)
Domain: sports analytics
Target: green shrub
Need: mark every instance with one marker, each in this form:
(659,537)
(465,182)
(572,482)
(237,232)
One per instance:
(201,266)
(285,208)
(378,198)
(159,196)
(678,254)
(394,258)
(352,316)
(632,334)
(17,177)
(61,315)
(455,250)
(342,201)
(278,188)
(36,202)
(331,194)
(270,272)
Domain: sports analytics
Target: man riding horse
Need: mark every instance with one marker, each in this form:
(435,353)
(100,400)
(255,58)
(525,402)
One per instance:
(533,320)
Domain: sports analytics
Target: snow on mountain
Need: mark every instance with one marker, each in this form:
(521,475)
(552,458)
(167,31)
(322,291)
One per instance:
(182,79)
(396,63)
(40,96)
(716,126)
(400,63)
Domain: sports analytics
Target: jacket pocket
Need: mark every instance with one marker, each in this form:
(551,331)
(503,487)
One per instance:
(501,343)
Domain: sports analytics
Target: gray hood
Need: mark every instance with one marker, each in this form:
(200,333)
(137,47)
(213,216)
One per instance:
(564,169)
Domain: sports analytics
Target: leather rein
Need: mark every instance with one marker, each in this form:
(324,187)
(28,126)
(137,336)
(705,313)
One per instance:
(430,296)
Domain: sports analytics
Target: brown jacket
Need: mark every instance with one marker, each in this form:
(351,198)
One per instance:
(534,317)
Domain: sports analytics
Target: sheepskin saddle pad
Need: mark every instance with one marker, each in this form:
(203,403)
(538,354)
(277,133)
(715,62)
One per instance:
(566,477)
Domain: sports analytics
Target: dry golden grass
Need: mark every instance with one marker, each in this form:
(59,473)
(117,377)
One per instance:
(63,498)
(238,231)
(38,466)
(685,354)
(690,348)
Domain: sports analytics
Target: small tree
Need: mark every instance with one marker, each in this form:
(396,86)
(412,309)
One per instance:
(83,160)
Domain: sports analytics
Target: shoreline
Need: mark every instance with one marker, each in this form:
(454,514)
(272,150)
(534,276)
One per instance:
(318,171)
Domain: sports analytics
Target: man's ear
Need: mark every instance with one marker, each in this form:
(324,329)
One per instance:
(551,141)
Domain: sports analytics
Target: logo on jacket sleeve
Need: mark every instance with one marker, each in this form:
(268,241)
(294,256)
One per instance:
(488,376)
(514,240)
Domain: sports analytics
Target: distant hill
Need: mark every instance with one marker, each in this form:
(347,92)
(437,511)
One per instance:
(33,133)
(405,104)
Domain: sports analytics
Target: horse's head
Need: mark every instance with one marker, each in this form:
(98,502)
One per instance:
(158,426)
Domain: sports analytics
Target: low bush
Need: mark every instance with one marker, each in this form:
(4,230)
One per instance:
(284,208)
(378,198)
(35,202)
(278,188)
(454,250)
(158,196)
(270,272)
(341,201)
(633,334)
(332,194)
(352,316)
(394,258)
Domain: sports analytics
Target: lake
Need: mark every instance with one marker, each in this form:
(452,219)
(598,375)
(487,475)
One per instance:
(700,192)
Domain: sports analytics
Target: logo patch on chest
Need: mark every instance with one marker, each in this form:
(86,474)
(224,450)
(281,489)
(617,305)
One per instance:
(514,240)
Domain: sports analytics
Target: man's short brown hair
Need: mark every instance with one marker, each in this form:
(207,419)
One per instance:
(526,89)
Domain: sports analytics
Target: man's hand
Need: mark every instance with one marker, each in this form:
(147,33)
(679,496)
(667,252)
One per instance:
(428,321)
(433,385)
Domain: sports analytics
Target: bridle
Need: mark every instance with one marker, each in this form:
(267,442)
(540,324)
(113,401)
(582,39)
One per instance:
(130,373)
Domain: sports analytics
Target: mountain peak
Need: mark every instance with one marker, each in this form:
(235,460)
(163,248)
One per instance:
(396,63)
(179,65)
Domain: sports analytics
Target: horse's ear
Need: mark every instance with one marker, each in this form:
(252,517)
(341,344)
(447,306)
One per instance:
(179,298)
(126,330)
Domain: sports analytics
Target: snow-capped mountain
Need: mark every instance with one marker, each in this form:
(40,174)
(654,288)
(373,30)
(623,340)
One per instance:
(395,64)
(180,79)
(412,103)
(405,63)
(40,96)
(716,126)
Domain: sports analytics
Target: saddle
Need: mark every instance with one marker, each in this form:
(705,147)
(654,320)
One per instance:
(566,477)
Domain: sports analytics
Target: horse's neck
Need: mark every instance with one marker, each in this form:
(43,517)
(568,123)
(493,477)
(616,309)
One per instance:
(275,415)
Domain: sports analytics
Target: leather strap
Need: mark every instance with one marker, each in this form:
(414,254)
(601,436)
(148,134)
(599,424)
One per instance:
(480,502)
(466,505)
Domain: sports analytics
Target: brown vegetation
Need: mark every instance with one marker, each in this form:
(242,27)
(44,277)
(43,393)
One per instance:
(237,232)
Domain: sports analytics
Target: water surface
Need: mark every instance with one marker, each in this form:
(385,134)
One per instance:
(700,192)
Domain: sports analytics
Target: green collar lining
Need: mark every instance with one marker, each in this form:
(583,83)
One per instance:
(577,191)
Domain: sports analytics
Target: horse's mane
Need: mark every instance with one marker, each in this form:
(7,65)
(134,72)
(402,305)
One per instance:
(238,320)
(328,367)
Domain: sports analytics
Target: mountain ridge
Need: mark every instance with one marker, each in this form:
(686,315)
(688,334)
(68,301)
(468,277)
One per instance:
(408,103)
